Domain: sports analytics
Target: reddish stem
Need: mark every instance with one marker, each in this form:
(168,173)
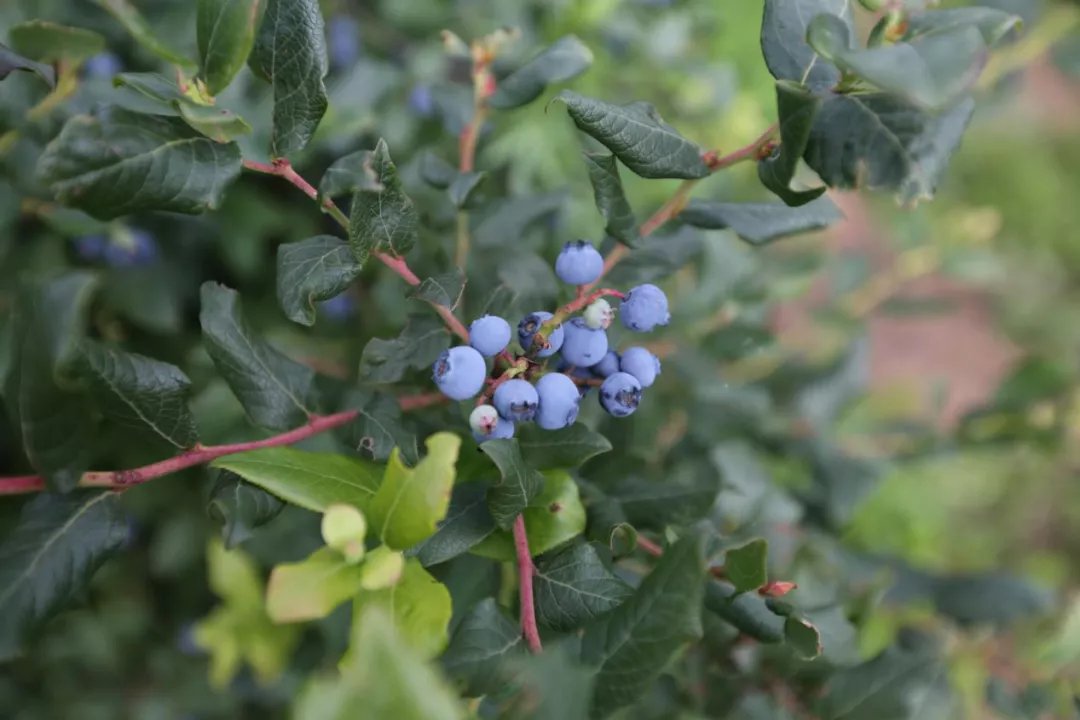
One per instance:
(417,402)
(649,546)
(526,570)
(196,456)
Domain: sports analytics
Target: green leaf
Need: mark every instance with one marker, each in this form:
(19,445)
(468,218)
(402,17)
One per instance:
(418,346)
(619,220)
(50,42)
(133,21)
(519,483)
(463,186)
(676,501)
(273,389)
(569,447)
(746,566)
(411,501)
(312,270)
(564,59)
(384,678)
(349,174)
(290,54)
(312,588)
(222,126)
(803,637)
(116,162)
(638,136)
(480,650)
(747,612)
(992,23)
(378,427)
(11,61)
(512,217)
(419,605)
(876,140)
(50,554)
(225,30)
(761,223)
(435,171)
(382,220)
(796,108)
(657,257)
(139,393)
(56,423)
(574,587)
(218,124)
(632,644)
(309,479)
(783,40)
(553,685)
(553,517)
(444,289)
(996,598)
(240,507)
(467,522)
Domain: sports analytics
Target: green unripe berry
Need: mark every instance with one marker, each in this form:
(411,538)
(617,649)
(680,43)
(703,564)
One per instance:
(599,315)
(343,529)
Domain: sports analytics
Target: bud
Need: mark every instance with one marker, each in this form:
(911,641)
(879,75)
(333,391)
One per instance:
(777,588)
(599,315)
(343,529)
(381,569)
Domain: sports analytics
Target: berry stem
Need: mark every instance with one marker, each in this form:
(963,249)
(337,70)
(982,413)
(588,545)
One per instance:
(423,400)
(526,570)
(284,169)
(651,548)
(199,455)
(580,302)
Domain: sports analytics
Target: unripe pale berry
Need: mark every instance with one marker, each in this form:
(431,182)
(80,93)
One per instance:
(599,315)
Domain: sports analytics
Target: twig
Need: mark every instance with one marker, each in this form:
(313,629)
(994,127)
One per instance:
(526,570)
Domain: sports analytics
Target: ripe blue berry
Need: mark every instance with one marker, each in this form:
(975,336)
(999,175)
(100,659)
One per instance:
(529,326)
(640,363)
(421,100)
(459,372)
(620,394)
(91,247)
(489,334)
(516,400)
(582,346)
(559,400)
(342,41)
(339,308)
(103,65)
(579,263)
(487,425)
(644,308)
(131,249)
(608,364)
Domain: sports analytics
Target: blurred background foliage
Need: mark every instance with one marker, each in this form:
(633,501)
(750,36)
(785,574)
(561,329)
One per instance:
(947,336)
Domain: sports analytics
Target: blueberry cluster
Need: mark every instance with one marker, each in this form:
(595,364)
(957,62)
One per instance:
(524,391)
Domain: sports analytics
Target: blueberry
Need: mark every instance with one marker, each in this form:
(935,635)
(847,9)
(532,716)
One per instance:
(644,308)
(421,101)
(340,307)
(640,363)
(343,41)
(582,346)
(528,327)
(91,247)
(599,315)
(459,372)
(620,394)
(559,400)
(489,334)
(608,364)
(516,400)
(487,425)
(103,65)
(131,249)
(579,263)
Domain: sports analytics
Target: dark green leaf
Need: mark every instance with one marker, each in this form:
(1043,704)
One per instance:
(633,644)
(796,108)
(418,346)
(994,24)
(574,587)
(513,216)
(290,54)
(444,289)
(638,136)
(783,40)
(619,221)
(467,522)
(553,685)
(463,186)
(56,423)
(312,270)
(378,427)
(480,649)
(51,553)
(989,599)
(566,58)
(676,500)
(349,174)
(219,125)
(225,30)
(165,98)
(436,171)
(240,507)
(133,21)
(273,389)
(11,61)
(657,257)
(760,223)
(49,42)
(519,485)
(876,140)
(801,635)
(745,611)
(566,448)
(140,393)
(385,220)
(554,517)
(117,162)
(746,566)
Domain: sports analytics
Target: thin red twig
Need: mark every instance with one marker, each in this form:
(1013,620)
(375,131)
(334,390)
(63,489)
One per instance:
(526,570)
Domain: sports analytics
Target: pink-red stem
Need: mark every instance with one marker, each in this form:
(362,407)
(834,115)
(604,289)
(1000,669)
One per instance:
(526,570)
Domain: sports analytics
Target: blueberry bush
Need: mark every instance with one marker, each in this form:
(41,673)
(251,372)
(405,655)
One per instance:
(351,369)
